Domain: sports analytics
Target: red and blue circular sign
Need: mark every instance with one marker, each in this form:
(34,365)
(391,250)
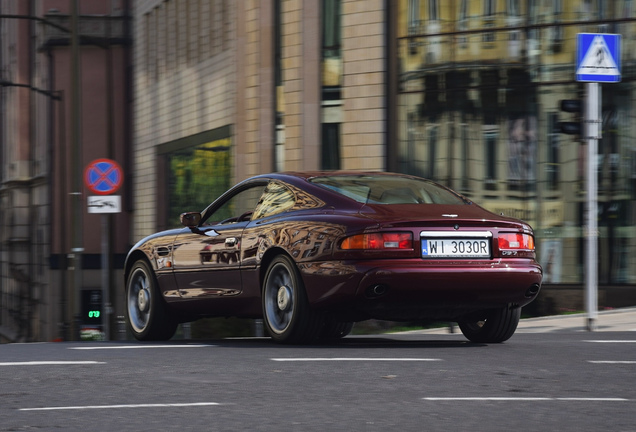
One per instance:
(103,176)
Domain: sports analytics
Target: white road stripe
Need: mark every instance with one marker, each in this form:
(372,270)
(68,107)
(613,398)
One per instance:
(137,347)
(46,363)
(611,341)
(528,399)
(612,361)
(87,407)
(358,359)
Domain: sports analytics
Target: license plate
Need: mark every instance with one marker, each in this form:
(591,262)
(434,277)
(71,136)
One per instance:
(455,248)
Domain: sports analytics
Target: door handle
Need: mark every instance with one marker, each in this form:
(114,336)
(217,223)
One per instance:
(231,241)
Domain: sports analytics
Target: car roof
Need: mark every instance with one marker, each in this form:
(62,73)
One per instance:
(302,177)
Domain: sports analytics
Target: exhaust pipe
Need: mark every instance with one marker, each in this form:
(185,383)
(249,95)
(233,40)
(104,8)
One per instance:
(532,291)
(377,290)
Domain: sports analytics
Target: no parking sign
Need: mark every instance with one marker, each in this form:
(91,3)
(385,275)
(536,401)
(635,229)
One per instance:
(103,177)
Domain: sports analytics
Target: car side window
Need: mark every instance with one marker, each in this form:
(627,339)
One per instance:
(237,208)
(276,199)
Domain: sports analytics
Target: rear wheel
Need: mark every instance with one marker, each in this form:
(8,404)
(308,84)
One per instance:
(494,326)
(288,317)
(146,313)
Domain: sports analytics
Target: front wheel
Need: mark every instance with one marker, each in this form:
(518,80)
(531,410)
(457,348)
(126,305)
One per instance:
(287,315)
(494,326)
(146,314)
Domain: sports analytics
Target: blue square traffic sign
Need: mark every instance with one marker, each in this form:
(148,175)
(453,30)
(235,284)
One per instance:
(598,57)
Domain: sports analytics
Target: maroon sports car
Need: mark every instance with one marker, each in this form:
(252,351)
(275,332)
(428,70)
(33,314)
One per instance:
(312,253)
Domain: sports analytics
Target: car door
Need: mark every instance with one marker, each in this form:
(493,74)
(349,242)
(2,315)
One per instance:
(207,259)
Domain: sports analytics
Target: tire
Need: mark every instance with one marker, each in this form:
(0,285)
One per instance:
(333,329)
(287,316)
(146,312)
(496,326)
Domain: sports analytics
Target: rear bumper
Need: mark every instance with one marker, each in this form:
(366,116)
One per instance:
(417,289)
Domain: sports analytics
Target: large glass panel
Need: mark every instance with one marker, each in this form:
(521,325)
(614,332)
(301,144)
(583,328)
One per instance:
(478,108)
(196,176)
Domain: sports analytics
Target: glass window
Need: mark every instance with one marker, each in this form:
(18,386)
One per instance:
(490,140)
(552,168)
(462,23)
(466,156)
(330,146)
(502,100)
(433,10)
(414,17)
(236,208)
(331,32)
(490,8)
(513,8)
(194,176)
(276,199)
(370,189)
(432,152)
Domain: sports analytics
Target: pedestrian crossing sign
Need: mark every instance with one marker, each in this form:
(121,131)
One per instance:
(598,57)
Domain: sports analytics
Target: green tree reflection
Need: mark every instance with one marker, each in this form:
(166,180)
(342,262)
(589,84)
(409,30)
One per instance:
(197,177)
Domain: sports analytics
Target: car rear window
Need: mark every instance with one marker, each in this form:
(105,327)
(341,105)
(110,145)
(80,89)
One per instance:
(382,189)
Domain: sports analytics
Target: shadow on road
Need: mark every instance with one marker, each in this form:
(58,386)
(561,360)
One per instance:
(350,342)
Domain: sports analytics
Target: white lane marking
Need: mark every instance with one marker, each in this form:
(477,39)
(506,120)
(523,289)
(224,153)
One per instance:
(358,359)
(87,407)
(612,361)
(248,338)
(528,399)
(611,341)
(46,363)
(138,347)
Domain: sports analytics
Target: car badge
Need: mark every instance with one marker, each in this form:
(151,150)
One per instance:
(449,215)
(456,227)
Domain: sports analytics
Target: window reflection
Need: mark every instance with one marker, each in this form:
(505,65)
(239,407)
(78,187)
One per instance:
(194,177)
(480,114)
(237,208)
(276,199)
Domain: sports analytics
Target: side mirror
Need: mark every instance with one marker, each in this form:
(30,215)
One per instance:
(190,219)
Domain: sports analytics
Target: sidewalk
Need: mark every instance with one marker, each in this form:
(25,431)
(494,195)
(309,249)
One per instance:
(612,320)
(623,319)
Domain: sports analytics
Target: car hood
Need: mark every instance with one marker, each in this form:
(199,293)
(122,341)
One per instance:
(468,215)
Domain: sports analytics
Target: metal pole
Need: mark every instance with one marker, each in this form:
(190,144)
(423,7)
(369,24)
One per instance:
(592,120)
(106,277)
(77,247)
(107,218)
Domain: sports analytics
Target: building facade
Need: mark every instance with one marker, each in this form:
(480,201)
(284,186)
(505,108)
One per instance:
(251,87)
(192,96)
(464,92)
(479,91)
(61,108)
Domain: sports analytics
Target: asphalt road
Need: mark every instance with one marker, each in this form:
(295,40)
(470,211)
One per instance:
(567,380)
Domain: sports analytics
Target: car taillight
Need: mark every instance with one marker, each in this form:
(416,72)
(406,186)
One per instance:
(378,241)
(516,241)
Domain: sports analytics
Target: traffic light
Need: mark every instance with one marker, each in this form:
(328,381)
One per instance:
(574,106)
(92,307)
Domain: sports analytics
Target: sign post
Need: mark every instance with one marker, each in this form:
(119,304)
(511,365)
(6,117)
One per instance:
(598,61)
(104,177)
